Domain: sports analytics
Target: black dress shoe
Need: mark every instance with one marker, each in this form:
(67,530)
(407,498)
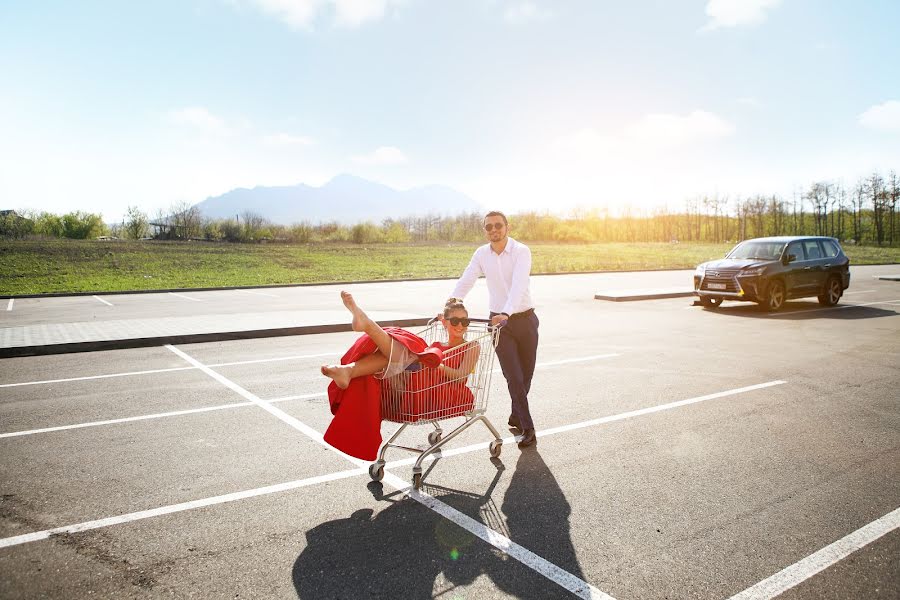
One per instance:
(514,422)
(528,439)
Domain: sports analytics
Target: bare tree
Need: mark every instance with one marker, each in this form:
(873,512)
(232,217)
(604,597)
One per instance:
(894,195)
(253,224)
(136,223)
(877,192)
(859,200)
(186,220)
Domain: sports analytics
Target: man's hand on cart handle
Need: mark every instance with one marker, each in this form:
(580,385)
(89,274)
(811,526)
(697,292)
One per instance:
(499,320)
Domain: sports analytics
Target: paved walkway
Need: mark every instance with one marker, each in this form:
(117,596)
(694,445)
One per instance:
(52,338)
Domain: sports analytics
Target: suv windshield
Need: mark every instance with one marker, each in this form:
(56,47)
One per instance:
(758,250)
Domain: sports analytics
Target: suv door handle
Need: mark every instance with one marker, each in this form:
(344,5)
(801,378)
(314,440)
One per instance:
(807,268)
(828,265)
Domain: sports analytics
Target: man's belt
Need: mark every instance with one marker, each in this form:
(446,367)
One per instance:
(524,313)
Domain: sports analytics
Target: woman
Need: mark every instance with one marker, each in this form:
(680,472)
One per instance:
(355,390)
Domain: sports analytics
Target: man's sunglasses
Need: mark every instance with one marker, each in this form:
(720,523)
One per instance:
(489,226)
(464,321)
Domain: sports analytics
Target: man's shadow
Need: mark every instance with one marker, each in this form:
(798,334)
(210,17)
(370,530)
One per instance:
(409,551)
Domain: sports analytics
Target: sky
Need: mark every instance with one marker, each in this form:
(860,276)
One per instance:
(521,104)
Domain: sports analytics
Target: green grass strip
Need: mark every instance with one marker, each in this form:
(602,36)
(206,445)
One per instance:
(37,267)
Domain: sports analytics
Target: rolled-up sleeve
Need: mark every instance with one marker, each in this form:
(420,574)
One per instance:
(468,278)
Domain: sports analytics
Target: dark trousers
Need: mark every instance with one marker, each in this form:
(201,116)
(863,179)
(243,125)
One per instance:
(517,351)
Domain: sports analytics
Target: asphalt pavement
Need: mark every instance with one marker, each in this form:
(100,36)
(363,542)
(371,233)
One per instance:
(683,452)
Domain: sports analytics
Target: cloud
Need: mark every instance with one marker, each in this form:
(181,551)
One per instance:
(735,13)
(524,12)
(882,117)
(286,139)
(301,14)
(584,144)
(383,156)
(674,130)
(199,118)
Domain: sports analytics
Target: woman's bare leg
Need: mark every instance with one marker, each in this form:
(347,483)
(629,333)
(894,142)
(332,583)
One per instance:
(367,365)
(362,322)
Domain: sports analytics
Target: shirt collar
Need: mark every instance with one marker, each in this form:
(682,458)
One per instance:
(507,250)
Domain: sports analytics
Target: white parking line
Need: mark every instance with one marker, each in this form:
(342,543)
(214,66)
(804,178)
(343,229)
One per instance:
(175,508)
(276,412)
(206,409)
(151,371)
(800,571)
(103,301)
(602,420)
(859,292)
(185,297)
(257,293)
(502,543)
(557,575)
(563,578)
(177,413)
(10,305)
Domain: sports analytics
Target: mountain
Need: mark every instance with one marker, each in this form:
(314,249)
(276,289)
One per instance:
(346,198)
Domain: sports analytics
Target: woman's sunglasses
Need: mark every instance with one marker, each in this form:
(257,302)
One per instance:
(489,226)
(464,321)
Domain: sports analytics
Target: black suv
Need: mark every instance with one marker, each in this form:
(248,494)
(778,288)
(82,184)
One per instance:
(771,270)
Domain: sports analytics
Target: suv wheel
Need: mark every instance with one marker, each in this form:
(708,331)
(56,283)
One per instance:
(832,293)
(775,296)
(710,302)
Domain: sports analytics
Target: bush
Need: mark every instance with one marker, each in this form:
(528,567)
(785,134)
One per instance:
(365,233)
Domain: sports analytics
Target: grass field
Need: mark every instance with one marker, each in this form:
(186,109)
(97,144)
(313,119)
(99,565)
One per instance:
(36,267)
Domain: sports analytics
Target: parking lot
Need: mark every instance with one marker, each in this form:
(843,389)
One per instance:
(683,453)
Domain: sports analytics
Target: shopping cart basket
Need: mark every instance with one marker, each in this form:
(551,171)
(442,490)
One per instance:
(421,396)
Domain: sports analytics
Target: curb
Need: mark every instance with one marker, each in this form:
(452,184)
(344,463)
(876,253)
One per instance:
(195,338)
(644,296)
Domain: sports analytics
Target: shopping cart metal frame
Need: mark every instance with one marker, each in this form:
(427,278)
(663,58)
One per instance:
(434,403)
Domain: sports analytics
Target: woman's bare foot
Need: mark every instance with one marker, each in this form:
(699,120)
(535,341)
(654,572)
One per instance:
(360,319)
(339,373)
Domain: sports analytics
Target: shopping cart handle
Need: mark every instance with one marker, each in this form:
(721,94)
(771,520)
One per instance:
(434,320)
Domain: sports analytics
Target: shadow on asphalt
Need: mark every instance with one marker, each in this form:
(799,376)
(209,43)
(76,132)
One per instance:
(804,311)
(409,551)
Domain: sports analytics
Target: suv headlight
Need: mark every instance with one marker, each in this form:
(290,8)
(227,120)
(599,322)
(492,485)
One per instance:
(700,270)
(753,272)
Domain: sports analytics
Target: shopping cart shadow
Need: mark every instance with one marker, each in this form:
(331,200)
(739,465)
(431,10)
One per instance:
(409,551)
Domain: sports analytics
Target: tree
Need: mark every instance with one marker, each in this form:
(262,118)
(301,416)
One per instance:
(894,195)
(136,225)
(79,225)
(186,220)
(253,224)
(15,226)
(878,194)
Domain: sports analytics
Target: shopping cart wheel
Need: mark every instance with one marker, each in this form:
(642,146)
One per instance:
(417,481)
(434,437)
(495,447)
(376,471)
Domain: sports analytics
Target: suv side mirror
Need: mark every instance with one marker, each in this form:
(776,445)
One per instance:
(789,258)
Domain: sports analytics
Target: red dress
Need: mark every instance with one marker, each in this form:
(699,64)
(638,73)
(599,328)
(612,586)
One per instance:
(427,394)
(356,426)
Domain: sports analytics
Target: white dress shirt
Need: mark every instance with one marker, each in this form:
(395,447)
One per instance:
(507,275)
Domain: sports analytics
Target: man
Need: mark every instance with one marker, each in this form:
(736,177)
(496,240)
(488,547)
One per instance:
(506,266)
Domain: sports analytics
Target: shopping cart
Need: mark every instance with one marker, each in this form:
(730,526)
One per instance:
(421,396)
